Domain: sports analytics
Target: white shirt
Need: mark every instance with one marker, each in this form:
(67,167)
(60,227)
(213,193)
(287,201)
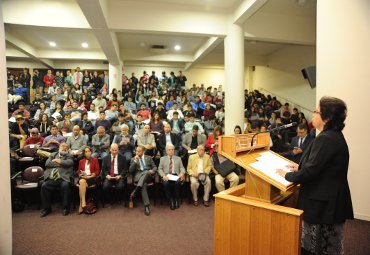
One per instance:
(87,168)
(115,163)
(200,165)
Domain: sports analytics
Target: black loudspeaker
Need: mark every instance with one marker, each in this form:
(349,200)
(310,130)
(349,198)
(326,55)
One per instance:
(309,73)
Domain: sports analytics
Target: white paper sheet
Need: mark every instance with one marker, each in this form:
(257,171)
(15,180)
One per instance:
(172,177)
(267,163)
(192,151)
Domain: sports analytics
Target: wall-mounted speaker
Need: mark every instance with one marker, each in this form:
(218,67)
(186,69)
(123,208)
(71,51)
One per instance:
(309,73)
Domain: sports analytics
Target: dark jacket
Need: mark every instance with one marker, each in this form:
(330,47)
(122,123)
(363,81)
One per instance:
(324,195)
(122,165)
(296,158)
(162,141)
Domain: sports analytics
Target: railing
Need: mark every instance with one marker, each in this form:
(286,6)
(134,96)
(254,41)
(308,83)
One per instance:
(307,112)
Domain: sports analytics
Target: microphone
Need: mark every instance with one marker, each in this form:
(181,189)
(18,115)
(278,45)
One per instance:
(293,124)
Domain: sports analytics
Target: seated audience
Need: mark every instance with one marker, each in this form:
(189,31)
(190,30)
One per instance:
(22,111)
(77,142)
(88,172)
(199,167)
(147,140)
(142,167)
(171,165)
(102,122)
(114,171)
(189,125)
(210,124)
(125,142)
(18,134)
(216,161)
(299,143)
(192,140)
(35,138)
(100,143)
(59,169)
(212,140)
(166,138)
(177,125)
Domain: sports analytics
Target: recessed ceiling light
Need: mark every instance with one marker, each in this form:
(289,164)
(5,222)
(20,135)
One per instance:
(177,47)
(52,44)
(84,45)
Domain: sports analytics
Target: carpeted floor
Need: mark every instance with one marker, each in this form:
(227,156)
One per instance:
(119,230)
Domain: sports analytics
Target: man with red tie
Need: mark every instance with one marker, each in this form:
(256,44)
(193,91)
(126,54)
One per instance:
(114,171)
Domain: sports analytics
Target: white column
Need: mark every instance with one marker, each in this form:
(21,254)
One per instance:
(115,77)
(343,60)
(234,78)
(6,213)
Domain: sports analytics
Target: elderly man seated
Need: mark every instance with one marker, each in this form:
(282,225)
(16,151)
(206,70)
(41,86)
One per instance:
(199,167)
(171,168)
(59,169)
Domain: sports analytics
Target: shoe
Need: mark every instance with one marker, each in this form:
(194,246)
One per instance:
(172,205)
(206,203)
(177,204)
(195,203)
(81,209)
(147,210)
(65,212)
(44,212)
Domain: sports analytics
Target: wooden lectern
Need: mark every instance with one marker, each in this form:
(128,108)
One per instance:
(252,217)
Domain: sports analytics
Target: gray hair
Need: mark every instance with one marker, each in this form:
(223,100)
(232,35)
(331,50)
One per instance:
(100,128)
(200,146)
(169,146)
(124,126)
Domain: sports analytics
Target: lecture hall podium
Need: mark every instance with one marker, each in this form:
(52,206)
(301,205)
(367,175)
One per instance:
(253,218)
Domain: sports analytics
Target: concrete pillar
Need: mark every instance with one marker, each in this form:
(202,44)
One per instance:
(115,77)
(343,60)
(6,213)
(234,78)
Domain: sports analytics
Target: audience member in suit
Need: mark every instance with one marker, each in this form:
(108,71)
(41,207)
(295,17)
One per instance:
(200,164)
(299,143)
(59,170)
(168,137)
(125,142)
(177,125)
(147,140)
(324,195)
(114,170)
(171,164)
(100,142)
(233,178)
(193,139)
(142,167)
(88,171)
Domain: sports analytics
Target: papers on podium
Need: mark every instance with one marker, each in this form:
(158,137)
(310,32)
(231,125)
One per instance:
(172,177)
(268,162)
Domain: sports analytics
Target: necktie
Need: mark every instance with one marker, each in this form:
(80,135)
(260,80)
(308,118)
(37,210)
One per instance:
(54,175)
(112,167)
(300,142)
(171,165)
(142,163)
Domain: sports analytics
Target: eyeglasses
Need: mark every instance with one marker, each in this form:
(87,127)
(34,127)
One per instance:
(317,112)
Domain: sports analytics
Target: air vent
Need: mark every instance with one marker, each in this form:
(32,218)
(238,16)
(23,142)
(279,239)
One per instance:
(158,49)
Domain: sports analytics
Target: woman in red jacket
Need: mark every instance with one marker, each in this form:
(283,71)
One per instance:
(213,139)
(88,171)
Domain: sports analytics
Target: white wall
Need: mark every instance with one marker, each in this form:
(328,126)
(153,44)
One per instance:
(6,214)
(343,60)
(282,76)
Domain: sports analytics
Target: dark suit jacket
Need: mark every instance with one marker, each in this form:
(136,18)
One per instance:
(121,164)
(324,195)
(94,166)
(304,145)
(162,141)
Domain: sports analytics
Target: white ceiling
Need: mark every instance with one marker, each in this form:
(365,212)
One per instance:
(69,38)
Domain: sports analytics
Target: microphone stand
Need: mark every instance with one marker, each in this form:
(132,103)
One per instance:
(267,131)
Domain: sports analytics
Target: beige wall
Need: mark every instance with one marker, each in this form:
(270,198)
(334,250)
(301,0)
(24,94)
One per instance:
(343,60)
(282,76)
(6,214)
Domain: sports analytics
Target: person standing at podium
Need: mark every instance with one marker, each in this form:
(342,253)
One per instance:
(324,195)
